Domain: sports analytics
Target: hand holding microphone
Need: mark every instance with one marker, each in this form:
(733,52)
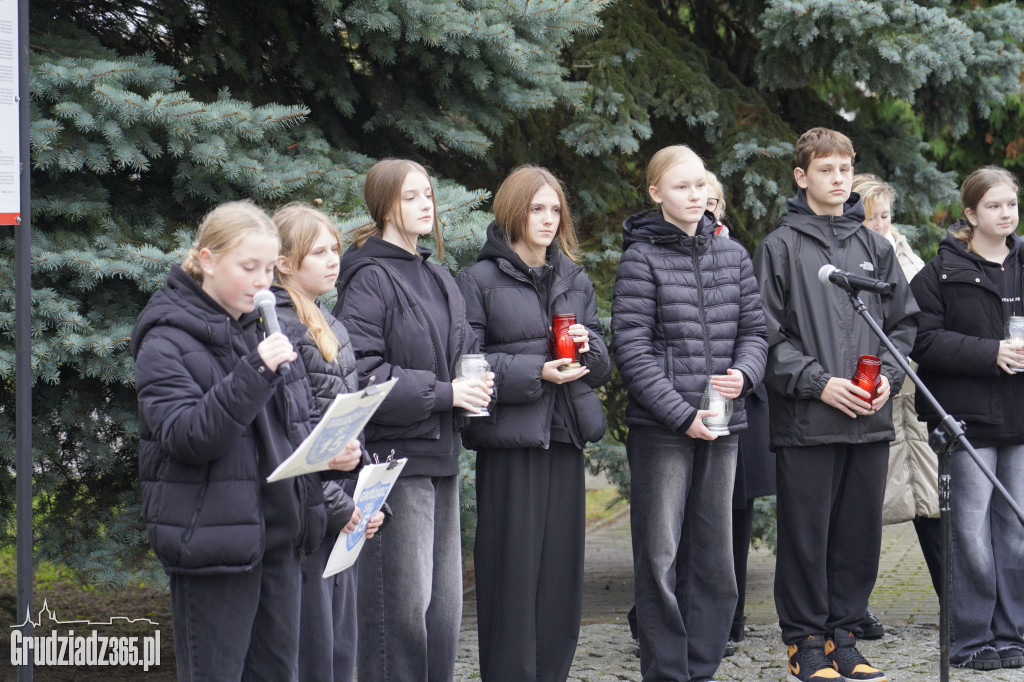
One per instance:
(830,274)
(276,350)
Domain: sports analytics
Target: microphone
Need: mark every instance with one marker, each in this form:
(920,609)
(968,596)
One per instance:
(830,274)
(266,303)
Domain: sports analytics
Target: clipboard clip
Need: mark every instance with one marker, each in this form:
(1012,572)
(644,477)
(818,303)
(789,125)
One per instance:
(390,461)
(371,388)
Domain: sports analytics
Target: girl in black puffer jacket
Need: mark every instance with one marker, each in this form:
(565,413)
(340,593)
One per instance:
(686,309)
(529,468)
(307,268)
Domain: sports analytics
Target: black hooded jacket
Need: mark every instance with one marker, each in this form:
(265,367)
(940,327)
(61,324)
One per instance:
(512,318)
(395,335)
(814,333)
(684,308)
(214,422)
(962,323)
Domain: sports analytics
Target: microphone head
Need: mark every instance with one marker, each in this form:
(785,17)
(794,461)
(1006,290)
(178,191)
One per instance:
(264,298)
(824,271)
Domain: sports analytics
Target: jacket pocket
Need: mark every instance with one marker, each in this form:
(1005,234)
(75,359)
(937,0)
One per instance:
(669,370)
(194,518)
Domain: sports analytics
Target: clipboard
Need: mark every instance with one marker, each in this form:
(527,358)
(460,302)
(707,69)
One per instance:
(343,421)
(372,489)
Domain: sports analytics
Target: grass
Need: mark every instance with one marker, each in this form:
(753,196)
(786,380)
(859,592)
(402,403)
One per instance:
(603,504)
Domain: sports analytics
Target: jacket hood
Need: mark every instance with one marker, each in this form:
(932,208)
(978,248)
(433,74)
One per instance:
(800,216)
(377,248)
(182,303)
(950,245)
(497,247)
(650,226)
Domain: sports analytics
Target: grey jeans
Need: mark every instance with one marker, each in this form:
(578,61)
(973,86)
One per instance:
(987,597)
(410,586)
(681,518)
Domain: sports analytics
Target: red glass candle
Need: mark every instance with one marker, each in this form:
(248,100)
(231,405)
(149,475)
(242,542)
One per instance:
(868,375)
(562,345)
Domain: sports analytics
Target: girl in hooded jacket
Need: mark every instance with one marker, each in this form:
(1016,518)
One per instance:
(966,294)
(685,311)
(216,417)
(528,555)
(307,268)
(407,320)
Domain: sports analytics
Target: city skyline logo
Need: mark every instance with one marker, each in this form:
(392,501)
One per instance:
(62,647)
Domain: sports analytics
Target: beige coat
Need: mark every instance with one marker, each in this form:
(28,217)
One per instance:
(911,487)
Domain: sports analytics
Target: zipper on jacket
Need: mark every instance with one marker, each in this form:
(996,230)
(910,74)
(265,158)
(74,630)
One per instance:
(700,307)
(832,258)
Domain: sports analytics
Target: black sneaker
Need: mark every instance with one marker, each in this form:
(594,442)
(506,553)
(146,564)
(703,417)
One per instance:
(807,662)
(1011,657)
(850,663)
(871,627)
(986,659)
(730,650)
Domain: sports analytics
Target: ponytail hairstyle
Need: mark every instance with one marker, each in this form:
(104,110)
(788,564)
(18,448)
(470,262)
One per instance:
(973,189)
(223,229)
(299,225)
(512,207)
(382,193)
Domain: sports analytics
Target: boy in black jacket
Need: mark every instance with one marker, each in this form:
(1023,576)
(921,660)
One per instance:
(831,439)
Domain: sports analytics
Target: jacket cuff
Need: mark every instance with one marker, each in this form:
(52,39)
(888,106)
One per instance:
(442,396)
(819,384)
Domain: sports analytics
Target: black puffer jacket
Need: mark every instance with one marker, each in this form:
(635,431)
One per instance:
(684,308)
(814,333)
(328,379)
(214,422)
(962,318)
(392,336)
(513,324)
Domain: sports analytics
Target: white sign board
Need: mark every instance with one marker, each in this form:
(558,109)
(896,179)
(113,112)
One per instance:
(10,134)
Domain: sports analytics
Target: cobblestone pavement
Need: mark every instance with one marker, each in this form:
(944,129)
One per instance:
(903,599)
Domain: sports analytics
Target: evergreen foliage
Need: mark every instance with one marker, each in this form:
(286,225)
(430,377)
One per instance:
(146,113)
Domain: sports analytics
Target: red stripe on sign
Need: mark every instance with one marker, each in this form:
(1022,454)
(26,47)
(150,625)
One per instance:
(10,218)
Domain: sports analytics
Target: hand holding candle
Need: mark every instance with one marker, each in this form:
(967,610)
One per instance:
(563,343)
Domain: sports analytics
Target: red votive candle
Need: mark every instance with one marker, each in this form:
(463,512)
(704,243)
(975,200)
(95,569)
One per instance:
(562,345)
(868,375)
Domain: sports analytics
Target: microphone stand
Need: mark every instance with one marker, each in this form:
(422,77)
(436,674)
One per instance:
(943,440)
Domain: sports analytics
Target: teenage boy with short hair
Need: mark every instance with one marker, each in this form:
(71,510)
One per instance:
(831,443)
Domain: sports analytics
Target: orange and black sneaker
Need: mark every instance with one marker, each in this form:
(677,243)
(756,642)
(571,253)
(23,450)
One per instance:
(849,662)
(807,662)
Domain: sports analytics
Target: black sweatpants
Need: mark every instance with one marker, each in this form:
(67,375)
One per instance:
(830,535)
(529,561)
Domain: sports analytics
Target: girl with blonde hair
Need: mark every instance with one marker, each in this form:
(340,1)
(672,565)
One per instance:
(306,269)
(686,313)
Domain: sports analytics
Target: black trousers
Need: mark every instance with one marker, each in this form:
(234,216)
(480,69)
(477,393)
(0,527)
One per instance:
(830,536)
(742,529)
(529,561)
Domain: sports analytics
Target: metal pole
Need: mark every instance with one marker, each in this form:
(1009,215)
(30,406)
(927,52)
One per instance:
(23,348)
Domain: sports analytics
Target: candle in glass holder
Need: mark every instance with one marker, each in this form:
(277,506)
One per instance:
(717,424)
(562,344)
(1015,334)
(473,366)
(868,376)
